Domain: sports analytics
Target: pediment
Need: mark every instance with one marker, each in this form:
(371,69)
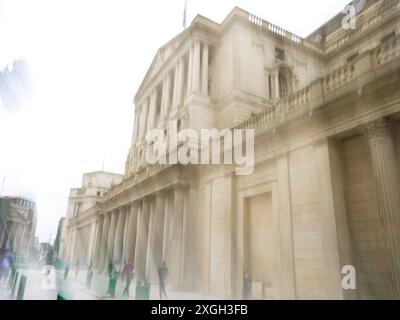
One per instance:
(162,56)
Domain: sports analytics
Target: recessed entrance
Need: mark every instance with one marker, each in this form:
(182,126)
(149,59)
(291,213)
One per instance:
(259,241)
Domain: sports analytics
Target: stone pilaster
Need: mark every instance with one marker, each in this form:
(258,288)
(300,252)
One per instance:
(96,254)
(136,129)
(176,258)
(166,97)
(104,238)
(143,119)
(190,71)
(204,71)
(196,67)
(152,111)
(132,229)
(150,265)
(119,236)
(181,79)
(141,241)
(111,237)
(380,138)
(335,230)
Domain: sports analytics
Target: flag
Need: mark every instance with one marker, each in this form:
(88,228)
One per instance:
(184,15)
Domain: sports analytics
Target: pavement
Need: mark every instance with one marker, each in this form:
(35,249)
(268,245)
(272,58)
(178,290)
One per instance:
(40,286)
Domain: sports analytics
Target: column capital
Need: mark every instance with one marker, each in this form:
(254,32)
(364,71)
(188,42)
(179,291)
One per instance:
(380,128)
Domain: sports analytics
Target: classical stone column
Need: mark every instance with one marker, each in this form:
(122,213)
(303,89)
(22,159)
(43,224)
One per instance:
(119,236)
(150,265)
(152,111)
(96,254)
(166,242)
(159,229)
(131,232)
(181,80)
(204,71)
(141,241)
(104,238)
(379,134)
(166,97)
(136,129)
(176,258)
(143,119)
(190,71)
(175,91)
(111,237)
(196,67)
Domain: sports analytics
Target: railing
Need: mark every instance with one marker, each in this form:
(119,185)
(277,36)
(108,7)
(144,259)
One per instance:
(282,107)
(275,29)
(339,77)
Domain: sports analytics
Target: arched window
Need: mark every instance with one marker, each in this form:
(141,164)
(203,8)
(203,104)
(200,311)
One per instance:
(283,86)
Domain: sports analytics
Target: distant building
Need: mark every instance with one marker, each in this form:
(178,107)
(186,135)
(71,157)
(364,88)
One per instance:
(80,222)
(18,220)
(59,243)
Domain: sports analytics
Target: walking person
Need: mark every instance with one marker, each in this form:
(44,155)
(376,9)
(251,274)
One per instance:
(128,274)
(246,286)
(163,277)
(77,268)
(66,271)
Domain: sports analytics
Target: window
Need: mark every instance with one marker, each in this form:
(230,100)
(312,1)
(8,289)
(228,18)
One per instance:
(283,86)
(280,54)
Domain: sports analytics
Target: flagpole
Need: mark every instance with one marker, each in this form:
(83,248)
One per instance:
(185,15)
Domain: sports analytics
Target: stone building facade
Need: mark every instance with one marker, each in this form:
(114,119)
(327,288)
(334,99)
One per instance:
(324,193)
(76,234)
(18,221)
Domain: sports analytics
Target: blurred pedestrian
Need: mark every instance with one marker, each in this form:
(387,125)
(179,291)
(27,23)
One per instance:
(77,268)
(128,274)
(163,277)
(246,286)
(66,271)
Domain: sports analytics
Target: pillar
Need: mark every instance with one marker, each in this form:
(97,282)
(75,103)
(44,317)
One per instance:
(119,236)
(196,67)
(150,263)
(204,73)
(131,232)
(111,237)
(166,97)
(176,258)
(380,138)
(336,240)
(96,254)
(190,71)
(175,91)
(167,233)
(152,111)
(104,238)
(141,241)
(181,80)
(136,128)
(143,119)
(159,229)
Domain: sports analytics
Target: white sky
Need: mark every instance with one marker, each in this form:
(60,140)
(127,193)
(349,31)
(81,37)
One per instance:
(87,60)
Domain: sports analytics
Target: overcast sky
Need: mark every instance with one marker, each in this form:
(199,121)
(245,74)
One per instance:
(87,59)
